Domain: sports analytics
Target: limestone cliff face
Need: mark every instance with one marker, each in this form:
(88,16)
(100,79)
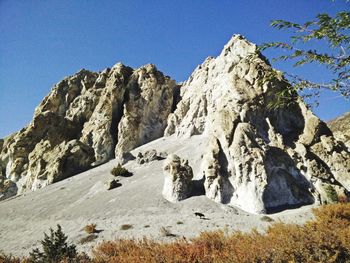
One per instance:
(341,128)
(256,158)
(84,121)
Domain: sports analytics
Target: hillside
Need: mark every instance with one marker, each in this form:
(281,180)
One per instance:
(210,145)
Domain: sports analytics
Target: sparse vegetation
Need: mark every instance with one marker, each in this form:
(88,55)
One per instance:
(326,239)
(165,232)
(266,219)
(324,41)
(55,248)
(120,171)
(146,226)
(126,227)
(9,258)
(90,228)
(332,194)
(179,223)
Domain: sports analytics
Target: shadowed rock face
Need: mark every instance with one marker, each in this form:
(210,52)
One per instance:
(84,121)
(255,158)
(341,128)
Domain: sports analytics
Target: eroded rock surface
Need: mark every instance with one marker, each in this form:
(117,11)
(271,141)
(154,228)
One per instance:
(84,121)
(258,159)
(177,179)
(341,128)
(150,101)
(150,156)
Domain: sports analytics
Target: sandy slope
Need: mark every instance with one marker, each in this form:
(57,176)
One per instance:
(82,199)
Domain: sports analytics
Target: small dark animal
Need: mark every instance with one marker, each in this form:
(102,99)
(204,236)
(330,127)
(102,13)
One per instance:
(200,215)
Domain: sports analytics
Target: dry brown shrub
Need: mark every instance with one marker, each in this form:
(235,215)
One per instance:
(326,239)
(90,228)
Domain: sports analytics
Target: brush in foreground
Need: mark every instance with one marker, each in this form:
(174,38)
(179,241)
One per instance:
(325,239)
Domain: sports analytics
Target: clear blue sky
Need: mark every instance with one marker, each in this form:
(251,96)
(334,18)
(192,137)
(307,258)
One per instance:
(43,41)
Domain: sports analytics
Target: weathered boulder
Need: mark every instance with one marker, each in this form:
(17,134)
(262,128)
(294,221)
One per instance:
(256,158)
(150,156)
(177,179)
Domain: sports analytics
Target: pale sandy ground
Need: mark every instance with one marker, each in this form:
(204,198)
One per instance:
(83,199)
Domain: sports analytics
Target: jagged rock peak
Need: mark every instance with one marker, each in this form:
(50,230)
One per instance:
(256,158)
(86,119)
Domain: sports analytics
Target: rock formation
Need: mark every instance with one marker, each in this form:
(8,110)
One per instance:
(85,120)
(258,159)
(177,179)
(150,156)
(341,128)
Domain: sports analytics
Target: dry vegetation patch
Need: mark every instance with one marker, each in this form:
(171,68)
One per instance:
(326,239)
(90,228)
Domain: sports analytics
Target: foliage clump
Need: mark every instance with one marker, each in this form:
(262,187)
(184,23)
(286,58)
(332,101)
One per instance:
(54,248)
(126,227)
(120,171)
(331,194)
(331,33)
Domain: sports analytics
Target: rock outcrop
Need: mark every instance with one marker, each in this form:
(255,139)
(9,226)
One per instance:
(145,112)
(150,156)
(177,179)
(341,128)
(256,158)
(86,120)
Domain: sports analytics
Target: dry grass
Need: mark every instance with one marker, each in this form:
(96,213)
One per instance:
(90,228)
(326,239)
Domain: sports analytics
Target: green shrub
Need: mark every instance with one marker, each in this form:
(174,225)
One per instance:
(125,227)
(55,248)
(331,194)
(120,171)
